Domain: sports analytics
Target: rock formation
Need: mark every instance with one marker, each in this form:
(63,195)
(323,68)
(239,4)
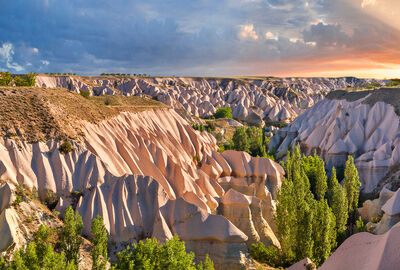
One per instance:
(251,100)
(362,124)
(138,171)
(367,251)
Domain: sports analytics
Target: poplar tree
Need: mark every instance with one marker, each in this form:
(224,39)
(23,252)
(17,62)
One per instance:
(70,236)
(99,250)
(338,202)
(351,185)
(324,233)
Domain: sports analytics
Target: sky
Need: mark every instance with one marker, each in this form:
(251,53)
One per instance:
(302,38)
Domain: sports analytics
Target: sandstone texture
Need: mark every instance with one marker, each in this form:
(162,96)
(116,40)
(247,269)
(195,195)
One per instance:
(364,125)
(139,171)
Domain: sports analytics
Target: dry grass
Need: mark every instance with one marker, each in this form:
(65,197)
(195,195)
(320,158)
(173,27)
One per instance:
(37,114)
(388,95)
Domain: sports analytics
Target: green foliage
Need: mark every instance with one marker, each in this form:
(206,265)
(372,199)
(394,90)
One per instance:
(351,184)
(100,238)
(207,265)
(256,146)
(240,140)
(338,202)
(150,255)
(37,257)
(199,127)
(223,113)
(324,232)
(307,225)
(70,235)
(314,168)
(268,255)
(84,93)
(393,83)
(359,226)
(5,79)
(65,147)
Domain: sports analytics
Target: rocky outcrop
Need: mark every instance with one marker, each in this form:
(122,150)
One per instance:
(251,100)
(364,127)
(140,173)
(367,251)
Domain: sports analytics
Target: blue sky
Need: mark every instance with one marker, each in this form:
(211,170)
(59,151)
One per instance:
(202,37)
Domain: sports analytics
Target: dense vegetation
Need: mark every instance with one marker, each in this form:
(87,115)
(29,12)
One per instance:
(61,251)
(225,112)
(250,140)
(313,214)
(8,79)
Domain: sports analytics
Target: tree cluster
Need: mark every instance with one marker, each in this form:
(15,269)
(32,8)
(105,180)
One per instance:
(312,214)
(250,140)
(125,75)
(8,79)
(47,253)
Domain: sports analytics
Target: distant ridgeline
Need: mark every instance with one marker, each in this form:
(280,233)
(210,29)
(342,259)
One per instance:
(8,79)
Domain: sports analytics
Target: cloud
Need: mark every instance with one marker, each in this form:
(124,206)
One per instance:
(6,56)
(270,35)
(247,32)
(199,37)
(366,3)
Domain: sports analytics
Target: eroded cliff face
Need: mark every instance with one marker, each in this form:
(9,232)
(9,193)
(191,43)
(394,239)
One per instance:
(251,100)
(140,171)
(366,128)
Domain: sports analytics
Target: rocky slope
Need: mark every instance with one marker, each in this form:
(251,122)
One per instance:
(149,174)
(251,99)
(363,124)
(367,251)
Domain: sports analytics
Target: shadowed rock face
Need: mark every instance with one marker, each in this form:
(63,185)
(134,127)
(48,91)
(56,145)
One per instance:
(138,172)
(251,100)
(338,128)
(367,251)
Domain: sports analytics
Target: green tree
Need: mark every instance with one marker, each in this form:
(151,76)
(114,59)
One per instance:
(5,79)
(240,140)
(223,113)
(338,202)
(207,265)
(351,184)
(314,168)
(256,147)
(324,233)
(100,238)
(70,236)
(150,255)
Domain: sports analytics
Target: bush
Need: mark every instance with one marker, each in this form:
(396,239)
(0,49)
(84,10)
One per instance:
(85,94)
(65,147)
(223,113)
(152,255)
(268,255)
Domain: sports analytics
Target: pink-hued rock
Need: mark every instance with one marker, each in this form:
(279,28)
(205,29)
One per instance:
(301,265)
(138,172)
(367,251)
(338,128)
(277,100)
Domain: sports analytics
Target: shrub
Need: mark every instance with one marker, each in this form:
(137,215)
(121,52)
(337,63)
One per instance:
(223,113)
(65,147)
(151,255)
(268,255)
(85,94)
